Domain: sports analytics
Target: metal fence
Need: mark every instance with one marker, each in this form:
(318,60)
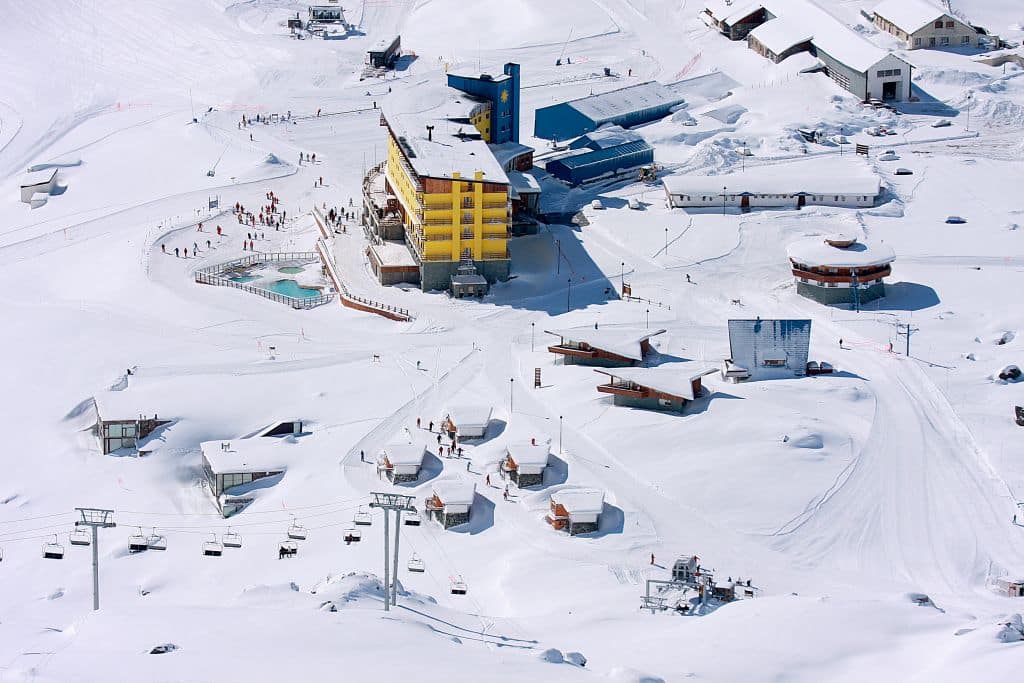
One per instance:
(324,252)
(214,275)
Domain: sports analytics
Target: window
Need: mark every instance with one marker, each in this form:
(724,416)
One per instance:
(774,363)
(114,430)
(938,24)
(917,42)
(964,40)
(896,72)
(664,403)
(949,24)
(931,42)
(944,40)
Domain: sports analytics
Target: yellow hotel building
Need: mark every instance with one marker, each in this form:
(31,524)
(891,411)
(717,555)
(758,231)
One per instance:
(453,196)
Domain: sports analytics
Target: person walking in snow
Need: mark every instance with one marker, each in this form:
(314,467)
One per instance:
(430,427)
(186,252)
(175,252)
(467,465)
(487,480)
(840,342)
(362,456)
(207,244)
(438,438)
(195,247)
(417,423)
(652,558)
(218,231)
(199,228)
(163,248)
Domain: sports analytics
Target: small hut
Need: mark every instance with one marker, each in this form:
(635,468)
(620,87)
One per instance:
(401,462)
(450,502)
(525,463)
(467,421)
(577,511)
(1013,588)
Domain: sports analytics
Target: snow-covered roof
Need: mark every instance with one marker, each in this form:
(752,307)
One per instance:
(674,379)
(38,177)
(909,15)
(383,44)
(529,454)
(248,455)
(446,152)
(454,491)
(623,342)
(830,34)
(470,415)
(779,35)
(818,252)
(633,98)
(606,137)
(393,253)
(580,501)
(507,151)
(523,183)
(730,11)
(814,177)
(404,453)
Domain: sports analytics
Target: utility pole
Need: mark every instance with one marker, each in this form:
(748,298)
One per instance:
(666,241)
(568,297)
(622,275)
(558,261)
(511,385)
(97,519)
(559,434)
(908,332)
(648,318)
(398,503)
(533,328)
(970,96)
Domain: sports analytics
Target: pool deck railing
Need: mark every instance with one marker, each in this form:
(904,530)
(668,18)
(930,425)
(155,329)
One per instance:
(214,275)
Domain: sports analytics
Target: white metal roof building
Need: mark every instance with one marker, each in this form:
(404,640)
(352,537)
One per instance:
(229,464)
(823,182)
(455,495)
(629,106)
(529,458)
(468,420)
(770,349)
(779,38)
(577,510)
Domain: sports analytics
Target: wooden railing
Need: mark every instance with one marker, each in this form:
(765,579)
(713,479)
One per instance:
(213,275)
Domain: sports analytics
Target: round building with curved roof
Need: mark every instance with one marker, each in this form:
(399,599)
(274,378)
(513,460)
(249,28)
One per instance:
(839,269)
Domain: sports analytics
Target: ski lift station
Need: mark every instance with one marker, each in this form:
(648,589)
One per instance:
(467,421)
(607,152)
(401,462)
(818,182)
(839,269)
(603,347)
(577,511)
(767,349)
(451,501)
(669,387)
(525,463)
(385,53)
(630,106)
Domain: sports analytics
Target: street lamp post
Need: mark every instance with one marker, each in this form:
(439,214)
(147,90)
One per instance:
(648,318)
(533,328)
(568,297)
(559,434)
(724,188)
(511,385)
(558,260)
(666,241)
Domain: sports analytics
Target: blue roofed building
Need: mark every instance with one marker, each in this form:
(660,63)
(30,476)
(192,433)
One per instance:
(630,106)
(768,349)
(499,123)
(605,152)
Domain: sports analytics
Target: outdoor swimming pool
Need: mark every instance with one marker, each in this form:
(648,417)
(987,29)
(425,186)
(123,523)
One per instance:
(291,270)
(291,288)
(243,278)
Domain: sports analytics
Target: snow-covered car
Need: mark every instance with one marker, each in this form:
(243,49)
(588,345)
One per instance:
(596,204)
(888,155)
(634,203)
(903,171)
(942,123)
(955,219)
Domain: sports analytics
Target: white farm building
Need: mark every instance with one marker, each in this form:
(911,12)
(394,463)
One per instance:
(921,24)
(811,183)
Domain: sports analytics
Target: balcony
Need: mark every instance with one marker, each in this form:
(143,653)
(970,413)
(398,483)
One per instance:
(623,388)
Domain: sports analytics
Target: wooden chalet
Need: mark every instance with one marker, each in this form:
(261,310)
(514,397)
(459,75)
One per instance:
(577,511)
(401,462)
(668,387)
(524,463)
(608,348)
(450,502)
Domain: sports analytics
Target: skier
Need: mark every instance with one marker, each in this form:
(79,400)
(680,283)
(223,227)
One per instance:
(362,456)
(652,558)
(207,244)
(199,228)
(186,252)
(688,277)
(417,423)
(467,465)
(430,427)
(218,231)
(487,480)
(163,248)
(840,342)
(438,438)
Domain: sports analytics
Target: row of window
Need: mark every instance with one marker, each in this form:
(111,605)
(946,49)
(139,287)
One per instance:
(943,41)
(889,72)
(119,430)
(813,198)
(938,24)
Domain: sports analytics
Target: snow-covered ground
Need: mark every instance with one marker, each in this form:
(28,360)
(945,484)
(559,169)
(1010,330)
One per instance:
(837,495)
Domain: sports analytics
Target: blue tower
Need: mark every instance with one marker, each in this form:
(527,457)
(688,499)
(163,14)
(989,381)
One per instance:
(503,94)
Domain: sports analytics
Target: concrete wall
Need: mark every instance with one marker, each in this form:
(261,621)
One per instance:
(649,403)
(839,295)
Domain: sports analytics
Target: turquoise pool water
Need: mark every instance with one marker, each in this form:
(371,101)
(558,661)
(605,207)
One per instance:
(291,270)
(243,278)
(292,288)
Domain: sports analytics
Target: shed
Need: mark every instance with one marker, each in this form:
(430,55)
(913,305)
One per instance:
(385,52)
(667,387)
(577,511)
(769,349)
(603,347)
(467,421)
(779,38)
(326,14)
(43,182)
(608,151)
(451,501)
(734,18)
(401,462)
(525,463)
(1013,588)
(629,106)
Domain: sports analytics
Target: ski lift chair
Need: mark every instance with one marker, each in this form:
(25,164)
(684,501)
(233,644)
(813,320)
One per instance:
(213,547)
(362,518)
(231,539)
(296,531)
(287,549)
(53,550)
(352,536)
(411,517)
(80,536)
(416,564)
(156,541)
(137,543)
(459,587)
